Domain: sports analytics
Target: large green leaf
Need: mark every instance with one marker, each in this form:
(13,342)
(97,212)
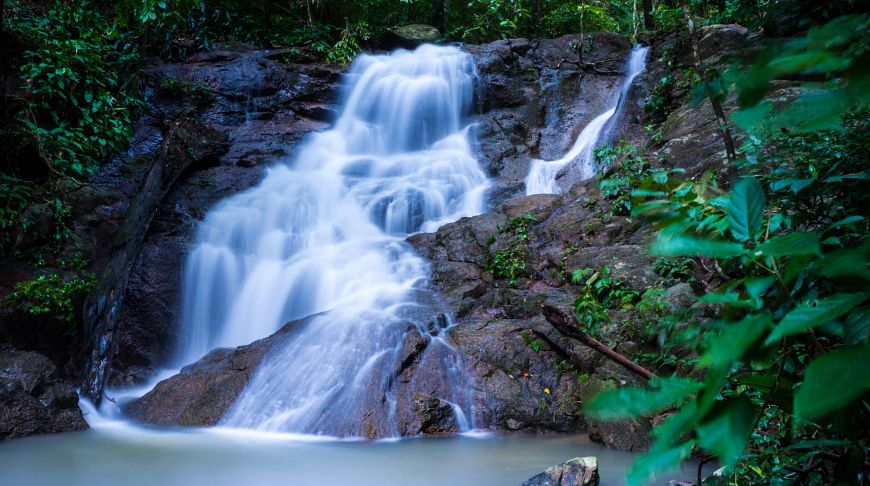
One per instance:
(856,328)
(726,432)
(628,402)
(657,460)
(811,314)
(735,339)
(790,244)
(832,381)
(682,245)
(746,209)
(671,429)
(844,263)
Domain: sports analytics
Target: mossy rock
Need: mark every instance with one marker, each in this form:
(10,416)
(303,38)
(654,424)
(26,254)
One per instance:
(413,35)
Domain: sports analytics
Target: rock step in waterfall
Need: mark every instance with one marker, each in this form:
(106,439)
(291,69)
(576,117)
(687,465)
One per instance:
(552,177)
(323,236)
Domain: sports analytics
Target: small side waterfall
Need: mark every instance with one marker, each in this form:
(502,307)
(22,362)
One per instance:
(580,161)
(325,237)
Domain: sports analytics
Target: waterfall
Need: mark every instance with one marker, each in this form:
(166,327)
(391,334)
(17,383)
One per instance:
(323,237)
(579,162)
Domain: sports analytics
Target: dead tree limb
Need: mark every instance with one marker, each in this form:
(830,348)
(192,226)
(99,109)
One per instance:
(569,328)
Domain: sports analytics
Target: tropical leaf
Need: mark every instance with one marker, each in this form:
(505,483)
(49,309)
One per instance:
(856,328)
(811,314)
(726,433)
(746,209)
(790,244)
(658,460)
(844,263)
(735,339)
(682,245)
(629,402)
(832,381)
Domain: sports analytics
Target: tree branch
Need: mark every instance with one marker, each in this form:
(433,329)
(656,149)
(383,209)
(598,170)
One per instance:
(570,329)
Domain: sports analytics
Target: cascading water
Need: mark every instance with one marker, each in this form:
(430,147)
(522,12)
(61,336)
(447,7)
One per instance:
(325,237)
(543,175)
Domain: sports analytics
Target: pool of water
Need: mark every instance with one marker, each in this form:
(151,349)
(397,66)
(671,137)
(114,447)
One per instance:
(119,453)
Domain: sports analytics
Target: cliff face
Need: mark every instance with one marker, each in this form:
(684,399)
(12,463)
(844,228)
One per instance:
(533,99)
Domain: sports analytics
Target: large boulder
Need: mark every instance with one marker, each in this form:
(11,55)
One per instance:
(411,36)
(202,392)
(33,400)
(580,471)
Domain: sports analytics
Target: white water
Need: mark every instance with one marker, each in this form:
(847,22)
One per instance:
(325,235)
(580,161)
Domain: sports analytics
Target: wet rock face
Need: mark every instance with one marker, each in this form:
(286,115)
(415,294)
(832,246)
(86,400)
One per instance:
(580,471)
(33,400)
(264,103)
(536,97)
(526,376)
(203,391)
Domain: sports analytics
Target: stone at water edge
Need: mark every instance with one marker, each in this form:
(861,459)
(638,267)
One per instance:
(33,399)
(579,471)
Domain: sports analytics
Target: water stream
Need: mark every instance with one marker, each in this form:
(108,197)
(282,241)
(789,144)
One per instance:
(324,235)
(579,163)
(114,455)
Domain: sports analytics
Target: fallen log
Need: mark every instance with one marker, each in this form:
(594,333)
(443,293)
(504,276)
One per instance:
(569,328)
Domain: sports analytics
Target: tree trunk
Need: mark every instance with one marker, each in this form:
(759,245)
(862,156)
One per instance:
(186,144)
(441,9)
(648,21)
(721,117)
(536,20)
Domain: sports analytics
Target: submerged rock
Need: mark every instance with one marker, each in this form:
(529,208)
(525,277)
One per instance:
(33,400)
(580,471)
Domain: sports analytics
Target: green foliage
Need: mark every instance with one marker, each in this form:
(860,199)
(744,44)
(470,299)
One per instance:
(600,292)
(509,264)
(572,17)
(494,19)
(625,169)
(531,341)
(345,49)
(80,76)
(772,389)
(15,195)
(675,269)
(50,294)
(510,260)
